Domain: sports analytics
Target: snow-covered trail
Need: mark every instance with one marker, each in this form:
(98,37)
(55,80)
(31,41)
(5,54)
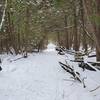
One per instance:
(29,79)
(39,77)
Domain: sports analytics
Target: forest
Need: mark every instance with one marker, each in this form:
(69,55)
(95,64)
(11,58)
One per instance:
(43,43)
(30,24)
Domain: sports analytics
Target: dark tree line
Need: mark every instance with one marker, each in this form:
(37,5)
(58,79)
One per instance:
(29,23)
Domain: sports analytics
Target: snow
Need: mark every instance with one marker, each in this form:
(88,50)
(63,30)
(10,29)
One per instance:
(40,77)
(50,47)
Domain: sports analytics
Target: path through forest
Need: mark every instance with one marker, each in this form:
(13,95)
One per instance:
(39,77)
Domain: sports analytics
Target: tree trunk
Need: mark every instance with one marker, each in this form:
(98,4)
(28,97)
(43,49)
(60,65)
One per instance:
(58,38)
(98,30)
(76,44)
(66,32)
(27,26)
(83,25)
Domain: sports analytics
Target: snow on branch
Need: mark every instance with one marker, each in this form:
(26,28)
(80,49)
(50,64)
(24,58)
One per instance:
(3,16)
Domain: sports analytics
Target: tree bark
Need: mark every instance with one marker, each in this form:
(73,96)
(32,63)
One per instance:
(98,30)
(66,32)
(83,25)
(76,44)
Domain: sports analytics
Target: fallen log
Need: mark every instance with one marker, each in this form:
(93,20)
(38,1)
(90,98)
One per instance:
(75,61)
(70,70)
(86,66)
(70,51)
(67,66)
(95,63)
(60,49)
(95,89)
(92,56)
(16,59)
(0,68)
(61,53)
(0,60)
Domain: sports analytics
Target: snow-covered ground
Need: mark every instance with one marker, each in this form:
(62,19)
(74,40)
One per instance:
(40,77)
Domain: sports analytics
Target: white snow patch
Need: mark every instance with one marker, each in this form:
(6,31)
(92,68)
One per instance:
(40,77)
(50,47)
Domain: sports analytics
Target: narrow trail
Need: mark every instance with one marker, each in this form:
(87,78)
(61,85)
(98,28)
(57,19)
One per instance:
(39,77)
(34,78)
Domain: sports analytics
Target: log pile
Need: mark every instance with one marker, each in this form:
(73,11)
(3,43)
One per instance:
(0,68)
(79,57)
(67,68)
(75,75)
(71,52)
(86,66)
(95,63)
(60,50)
